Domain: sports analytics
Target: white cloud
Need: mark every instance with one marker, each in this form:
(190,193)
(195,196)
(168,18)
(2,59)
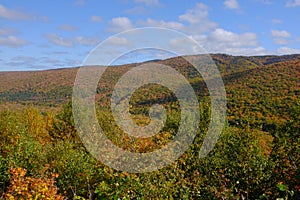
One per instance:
(287,50)
(245,51)
(148,2)
(197,19)
(281,41)
(276,21)
(292,3)
(40,63)
(280,36)
(120,24)
(95,18)
(58,53)
(136,10)
(71,42)
(13,14)
(12,41)
(23,59)
(58,63)
(231,4)
(8,31)
(163,24)
(194,21)
(280,33)
(86,41)
(196,24)
(223,41)
(44,19)
(183,46)
(57,40)
(80,2)
(119,41)
(221,37)
(195,15)
(67,27)
(265,1)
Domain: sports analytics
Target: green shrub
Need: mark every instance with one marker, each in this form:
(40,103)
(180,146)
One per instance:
(4,175)
(75,167)
(63,127)
(245,163)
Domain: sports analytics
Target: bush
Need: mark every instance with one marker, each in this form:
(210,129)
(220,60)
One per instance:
(237,168)
(75,167)
(22,187)
(63,127)
(245,163)
(286,156)
(4,175)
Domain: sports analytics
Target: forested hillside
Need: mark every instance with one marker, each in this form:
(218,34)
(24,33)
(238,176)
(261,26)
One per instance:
(256,157)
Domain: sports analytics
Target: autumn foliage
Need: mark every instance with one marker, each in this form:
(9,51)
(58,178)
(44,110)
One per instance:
(22,187)
(256,156)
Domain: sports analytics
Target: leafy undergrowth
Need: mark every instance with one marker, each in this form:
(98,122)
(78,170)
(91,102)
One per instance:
(22,187)
(41,154)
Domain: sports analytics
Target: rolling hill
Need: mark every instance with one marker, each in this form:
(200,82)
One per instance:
(255,157)
(260,89)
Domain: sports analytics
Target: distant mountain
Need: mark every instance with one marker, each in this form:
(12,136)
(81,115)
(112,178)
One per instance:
(51,86)
(260,89)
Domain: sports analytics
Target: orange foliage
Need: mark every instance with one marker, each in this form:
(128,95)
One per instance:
(22,187)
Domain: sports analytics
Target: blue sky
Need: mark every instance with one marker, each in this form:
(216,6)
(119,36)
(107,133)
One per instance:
(37,34)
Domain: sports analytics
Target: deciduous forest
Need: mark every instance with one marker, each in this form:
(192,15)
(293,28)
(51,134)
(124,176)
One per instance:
(256,157)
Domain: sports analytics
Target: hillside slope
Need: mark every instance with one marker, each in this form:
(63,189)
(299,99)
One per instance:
(260,89)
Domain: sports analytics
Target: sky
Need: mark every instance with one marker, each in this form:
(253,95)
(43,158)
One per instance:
(38,35)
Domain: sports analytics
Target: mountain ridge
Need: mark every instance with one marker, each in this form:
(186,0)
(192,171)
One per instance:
(264,84)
